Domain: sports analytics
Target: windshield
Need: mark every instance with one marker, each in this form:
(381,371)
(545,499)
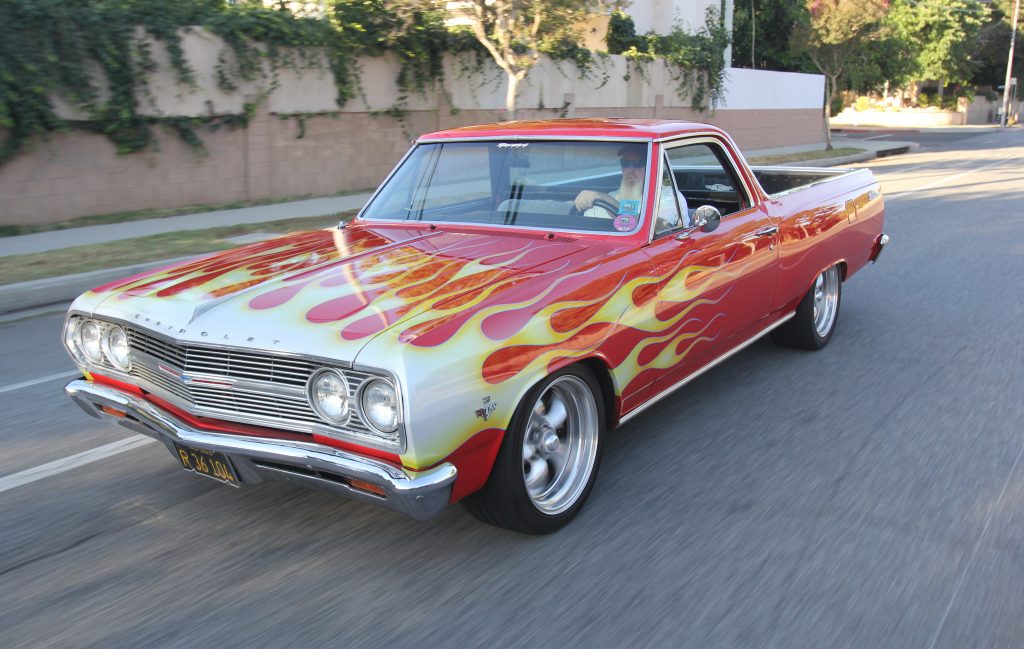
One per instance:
(586,186)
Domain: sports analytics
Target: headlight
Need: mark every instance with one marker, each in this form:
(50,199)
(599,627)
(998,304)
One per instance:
(328,394)
(71,337)
(379,403)
(115,348)
(89,340)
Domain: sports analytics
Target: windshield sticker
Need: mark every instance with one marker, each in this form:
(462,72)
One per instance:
(629,207)
(513,145)
(625,222)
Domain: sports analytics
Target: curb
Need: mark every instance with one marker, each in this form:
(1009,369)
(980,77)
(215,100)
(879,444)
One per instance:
(52,291)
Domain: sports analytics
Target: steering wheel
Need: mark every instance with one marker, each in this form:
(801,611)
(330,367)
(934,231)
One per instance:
(612,210)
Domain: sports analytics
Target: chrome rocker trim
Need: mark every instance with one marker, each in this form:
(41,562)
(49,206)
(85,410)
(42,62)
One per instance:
(419,495)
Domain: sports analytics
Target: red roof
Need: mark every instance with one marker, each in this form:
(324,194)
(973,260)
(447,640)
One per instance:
(583,127)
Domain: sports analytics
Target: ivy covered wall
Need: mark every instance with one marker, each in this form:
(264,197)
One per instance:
(119,105)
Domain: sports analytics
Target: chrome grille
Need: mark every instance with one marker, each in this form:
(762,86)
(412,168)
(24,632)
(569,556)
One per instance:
(283,404)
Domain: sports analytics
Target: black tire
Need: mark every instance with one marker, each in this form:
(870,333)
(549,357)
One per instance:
(505,500)
(804,331)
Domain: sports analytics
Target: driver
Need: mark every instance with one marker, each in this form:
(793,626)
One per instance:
(633,159)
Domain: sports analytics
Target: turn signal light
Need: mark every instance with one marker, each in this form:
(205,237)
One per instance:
(362,485)
(113,412)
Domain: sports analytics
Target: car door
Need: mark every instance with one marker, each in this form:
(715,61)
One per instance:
(714,287)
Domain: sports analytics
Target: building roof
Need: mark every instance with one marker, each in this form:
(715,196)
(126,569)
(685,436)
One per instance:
(652,129)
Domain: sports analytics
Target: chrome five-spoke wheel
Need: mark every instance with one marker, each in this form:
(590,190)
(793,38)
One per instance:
(826,300)
(812,325)
(549,455)
(560,444)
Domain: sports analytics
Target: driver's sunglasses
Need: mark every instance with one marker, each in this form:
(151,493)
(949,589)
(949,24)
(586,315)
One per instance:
(632,164)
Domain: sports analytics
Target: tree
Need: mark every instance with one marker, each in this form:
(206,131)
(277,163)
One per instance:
(989,52)
(764,41)
(832,32)
(515,32)
(941,36)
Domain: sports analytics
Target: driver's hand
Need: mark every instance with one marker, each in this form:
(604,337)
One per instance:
(585,199)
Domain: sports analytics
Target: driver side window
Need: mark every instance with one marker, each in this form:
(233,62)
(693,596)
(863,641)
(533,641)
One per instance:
(704,177)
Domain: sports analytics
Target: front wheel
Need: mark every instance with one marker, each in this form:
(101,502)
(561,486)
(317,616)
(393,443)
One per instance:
(816,315)
(549,457)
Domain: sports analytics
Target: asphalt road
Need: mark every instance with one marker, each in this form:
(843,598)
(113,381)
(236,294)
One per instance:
(869,495)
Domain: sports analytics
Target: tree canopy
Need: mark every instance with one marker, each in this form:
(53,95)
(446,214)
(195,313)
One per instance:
(875,41)
(516,32)
(939,36)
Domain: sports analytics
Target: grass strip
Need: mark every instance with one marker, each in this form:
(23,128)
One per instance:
(82,259)
(767,160)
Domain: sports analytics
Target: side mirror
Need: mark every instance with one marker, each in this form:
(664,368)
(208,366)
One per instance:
(707,218)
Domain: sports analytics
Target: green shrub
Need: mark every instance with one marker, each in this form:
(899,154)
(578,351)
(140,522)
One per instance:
(836,106)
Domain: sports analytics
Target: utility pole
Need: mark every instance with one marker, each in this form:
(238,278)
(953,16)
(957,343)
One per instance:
(1009,66)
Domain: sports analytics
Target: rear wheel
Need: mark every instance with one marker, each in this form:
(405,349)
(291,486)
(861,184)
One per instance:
(549,457)
(816,315)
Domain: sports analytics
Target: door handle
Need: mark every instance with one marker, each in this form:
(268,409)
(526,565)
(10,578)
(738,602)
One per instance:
(767,231)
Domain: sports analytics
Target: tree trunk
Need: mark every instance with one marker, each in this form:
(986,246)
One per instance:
(510,96)
(830,92)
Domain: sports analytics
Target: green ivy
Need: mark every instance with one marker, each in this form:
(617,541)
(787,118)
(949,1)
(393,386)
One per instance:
(696,59)
(54,48)
(95,55)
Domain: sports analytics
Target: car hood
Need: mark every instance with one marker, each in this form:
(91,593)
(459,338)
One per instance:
(323,293)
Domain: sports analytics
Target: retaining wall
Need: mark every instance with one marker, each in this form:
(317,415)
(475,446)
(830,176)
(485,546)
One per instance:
(77,173)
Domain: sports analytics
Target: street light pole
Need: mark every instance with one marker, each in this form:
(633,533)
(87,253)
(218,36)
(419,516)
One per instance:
(1009,66)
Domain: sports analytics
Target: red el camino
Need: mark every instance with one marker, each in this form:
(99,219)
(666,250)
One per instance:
(510,294)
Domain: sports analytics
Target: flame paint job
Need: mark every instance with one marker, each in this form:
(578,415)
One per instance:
(470,316)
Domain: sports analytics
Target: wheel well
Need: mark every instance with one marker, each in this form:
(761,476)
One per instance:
(842,270)
(604,379)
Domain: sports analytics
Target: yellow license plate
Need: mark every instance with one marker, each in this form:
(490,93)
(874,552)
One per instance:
(208,463)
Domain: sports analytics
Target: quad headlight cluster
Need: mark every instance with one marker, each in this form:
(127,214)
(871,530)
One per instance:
(92,341)
(370,404)
(376,400)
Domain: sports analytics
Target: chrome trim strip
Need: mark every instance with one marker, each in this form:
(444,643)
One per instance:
(419,494)
(664,393)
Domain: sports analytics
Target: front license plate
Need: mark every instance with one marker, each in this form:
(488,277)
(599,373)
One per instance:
(208,463)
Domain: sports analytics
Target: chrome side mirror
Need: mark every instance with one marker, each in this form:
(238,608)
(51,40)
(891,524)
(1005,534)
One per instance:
(707,218)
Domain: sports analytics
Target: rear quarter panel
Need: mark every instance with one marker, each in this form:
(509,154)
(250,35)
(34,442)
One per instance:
(823,224)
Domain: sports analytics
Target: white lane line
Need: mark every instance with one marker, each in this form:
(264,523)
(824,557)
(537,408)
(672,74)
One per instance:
(49,469)
(877,137)
(43,379)
(945,179)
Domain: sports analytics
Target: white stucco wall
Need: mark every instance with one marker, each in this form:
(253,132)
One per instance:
(660,15)
(769,90)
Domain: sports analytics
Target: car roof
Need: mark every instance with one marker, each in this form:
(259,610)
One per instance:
(611,128)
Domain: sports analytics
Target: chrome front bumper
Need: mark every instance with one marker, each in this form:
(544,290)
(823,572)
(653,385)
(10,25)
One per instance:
(419,494)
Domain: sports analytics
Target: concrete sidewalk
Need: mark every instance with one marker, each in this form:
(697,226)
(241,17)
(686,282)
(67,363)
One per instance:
(15,298)
(42,241)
